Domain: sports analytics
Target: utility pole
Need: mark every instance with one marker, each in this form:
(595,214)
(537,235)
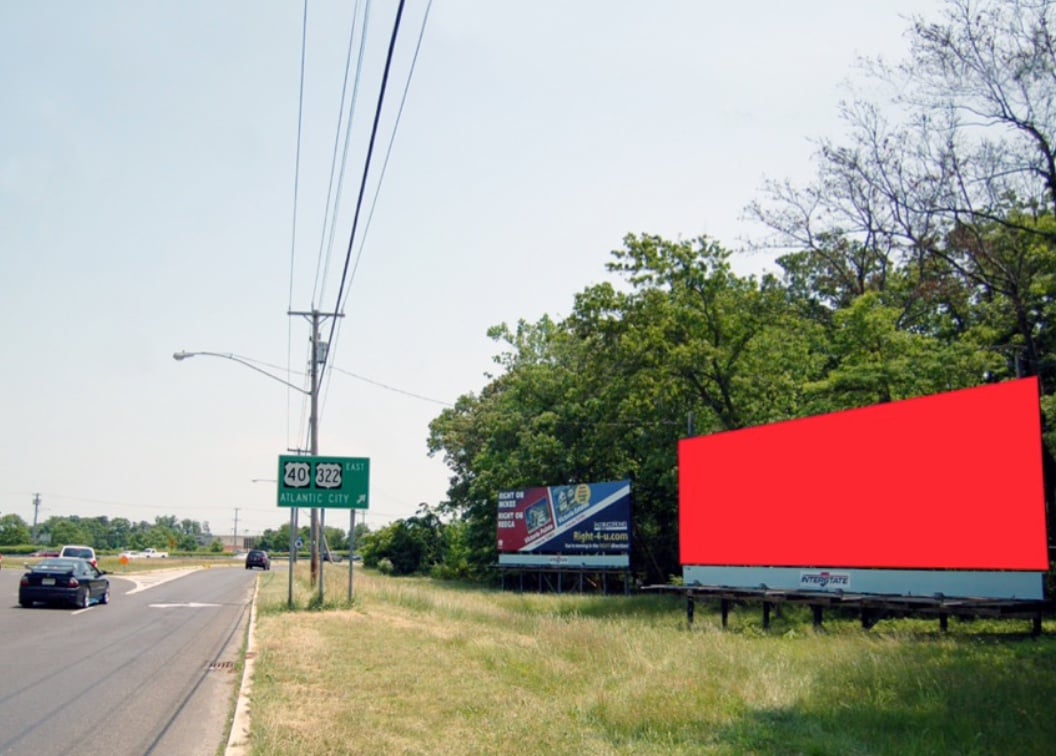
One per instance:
(234,538)
(319,354)
(36,510)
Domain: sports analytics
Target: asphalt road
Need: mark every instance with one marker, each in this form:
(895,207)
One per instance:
(152,672)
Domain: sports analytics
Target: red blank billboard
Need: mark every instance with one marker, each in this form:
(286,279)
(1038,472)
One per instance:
(951,481)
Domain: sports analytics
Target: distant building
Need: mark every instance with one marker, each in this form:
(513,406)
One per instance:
(232,543)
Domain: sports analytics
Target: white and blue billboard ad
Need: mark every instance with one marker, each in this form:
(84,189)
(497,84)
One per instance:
(584,525)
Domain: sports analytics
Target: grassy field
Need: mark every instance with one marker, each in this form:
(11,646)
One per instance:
(418,667)
(112,564)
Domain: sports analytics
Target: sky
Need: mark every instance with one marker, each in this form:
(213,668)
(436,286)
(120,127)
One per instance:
(152,201)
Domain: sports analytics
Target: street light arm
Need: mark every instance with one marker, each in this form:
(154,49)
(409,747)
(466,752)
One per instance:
(182,355)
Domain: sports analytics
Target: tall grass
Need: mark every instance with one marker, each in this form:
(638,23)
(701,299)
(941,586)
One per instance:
(416,667)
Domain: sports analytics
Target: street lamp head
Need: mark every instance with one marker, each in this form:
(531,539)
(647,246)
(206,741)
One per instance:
(183,355)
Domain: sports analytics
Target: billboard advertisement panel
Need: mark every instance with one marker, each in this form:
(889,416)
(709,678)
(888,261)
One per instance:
(574,521)
(945,482)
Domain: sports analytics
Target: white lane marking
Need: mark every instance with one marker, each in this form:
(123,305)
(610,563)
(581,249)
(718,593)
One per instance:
(150,580)
(191,605)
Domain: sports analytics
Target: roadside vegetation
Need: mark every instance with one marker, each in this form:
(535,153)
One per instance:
(167,533)
(918,260)
(421,666)
(112,565)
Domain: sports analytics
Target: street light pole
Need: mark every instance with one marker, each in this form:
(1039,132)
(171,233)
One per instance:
(183,355)
(318,357)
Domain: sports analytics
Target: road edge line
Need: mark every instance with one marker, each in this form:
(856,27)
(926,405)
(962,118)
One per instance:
(238,742)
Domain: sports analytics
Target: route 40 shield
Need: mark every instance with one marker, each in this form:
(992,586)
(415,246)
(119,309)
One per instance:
(324,482)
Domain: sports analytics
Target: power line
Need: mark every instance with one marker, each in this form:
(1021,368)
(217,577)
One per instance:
(392,388)
(388,151)
(349,373)
(324,266)
(328,219)
(297,153)
(366,167)
(296,184)
(381,177)
(346,278)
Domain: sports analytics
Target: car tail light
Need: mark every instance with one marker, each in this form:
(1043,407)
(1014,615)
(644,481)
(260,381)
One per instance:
(73,582)
(24,580)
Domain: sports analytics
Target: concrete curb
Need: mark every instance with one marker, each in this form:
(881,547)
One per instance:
(238,743)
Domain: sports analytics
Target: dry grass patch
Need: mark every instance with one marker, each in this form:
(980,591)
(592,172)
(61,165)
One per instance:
(418,667)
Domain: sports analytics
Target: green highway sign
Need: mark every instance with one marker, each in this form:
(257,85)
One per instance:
(324,482)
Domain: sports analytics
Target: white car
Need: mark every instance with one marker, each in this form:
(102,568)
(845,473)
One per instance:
(80,552)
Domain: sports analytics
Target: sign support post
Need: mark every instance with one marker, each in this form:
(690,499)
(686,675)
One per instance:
(324,483)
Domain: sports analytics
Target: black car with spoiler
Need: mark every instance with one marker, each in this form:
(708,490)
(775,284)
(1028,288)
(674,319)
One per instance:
(65,581)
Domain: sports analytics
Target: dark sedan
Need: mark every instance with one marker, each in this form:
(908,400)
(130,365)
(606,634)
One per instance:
(67,581)
(258,558)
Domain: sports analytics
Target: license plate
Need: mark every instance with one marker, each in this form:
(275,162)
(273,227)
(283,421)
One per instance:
(47,581)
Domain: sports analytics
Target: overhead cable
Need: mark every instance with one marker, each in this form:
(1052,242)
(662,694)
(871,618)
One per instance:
(296,183)
(384,166)
(388,151)
(366,168)
(330,218)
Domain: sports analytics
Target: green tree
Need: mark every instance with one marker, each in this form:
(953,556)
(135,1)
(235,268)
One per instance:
(607,393)
(733,348)
(335,538)
(119,533)
(412,545)
(13,530)
(948,189)
(361,531)
(62,530)
(875,361)
(279,540)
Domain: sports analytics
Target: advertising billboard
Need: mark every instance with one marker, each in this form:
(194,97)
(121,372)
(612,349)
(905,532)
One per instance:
(585,524)
(945,482)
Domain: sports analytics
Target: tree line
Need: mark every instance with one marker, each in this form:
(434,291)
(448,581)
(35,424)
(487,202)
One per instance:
(165,533)
(921,258)
(105,533)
